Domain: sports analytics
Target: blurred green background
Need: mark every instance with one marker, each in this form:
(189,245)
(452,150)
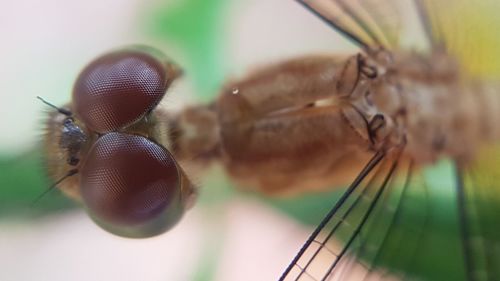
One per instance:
(46,44)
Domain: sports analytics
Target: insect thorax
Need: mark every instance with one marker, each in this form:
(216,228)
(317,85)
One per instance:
(297,124)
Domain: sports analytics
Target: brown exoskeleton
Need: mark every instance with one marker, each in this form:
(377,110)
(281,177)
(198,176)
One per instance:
(304,124)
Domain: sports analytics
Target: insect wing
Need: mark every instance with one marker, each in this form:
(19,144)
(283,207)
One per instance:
(468,29)
(465,28)
(319,256)
(479,198)
(370,234)
(363,231)
(368,23)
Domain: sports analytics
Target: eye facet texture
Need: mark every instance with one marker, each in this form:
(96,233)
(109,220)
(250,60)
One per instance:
(131,186)
(119,88)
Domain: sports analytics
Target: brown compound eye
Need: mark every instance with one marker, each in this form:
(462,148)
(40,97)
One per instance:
(119,88)
(132,186)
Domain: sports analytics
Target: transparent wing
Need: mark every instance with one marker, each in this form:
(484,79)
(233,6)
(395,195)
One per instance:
(468,29)
(398,228)
(386,247)
(479,206)
(368,23)
(368,217)
(362,233)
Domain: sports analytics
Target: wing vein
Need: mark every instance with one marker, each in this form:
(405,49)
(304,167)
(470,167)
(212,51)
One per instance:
(374,161)
(349,35)
(365,217)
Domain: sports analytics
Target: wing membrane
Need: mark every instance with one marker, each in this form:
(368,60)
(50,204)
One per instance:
(369,215)
(318,253)
(360,222)
(368,23)
(479,204)
(468,29)
(365,218)
(376,233)
(388,247)
(386,17)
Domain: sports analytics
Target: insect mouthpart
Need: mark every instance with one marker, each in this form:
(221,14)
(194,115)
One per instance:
(73,139)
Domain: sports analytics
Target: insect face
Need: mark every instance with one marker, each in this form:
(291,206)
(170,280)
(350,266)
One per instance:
(127,180)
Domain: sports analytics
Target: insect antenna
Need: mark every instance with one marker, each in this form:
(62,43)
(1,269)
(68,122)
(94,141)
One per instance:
(59,109)
(54,185)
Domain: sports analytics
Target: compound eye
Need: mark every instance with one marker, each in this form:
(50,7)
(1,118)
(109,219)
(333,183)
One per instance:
(119,88)
(132,186)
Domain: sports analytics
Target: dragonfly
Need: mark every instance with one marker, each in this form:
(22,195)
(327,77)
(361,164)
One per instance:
(373,119)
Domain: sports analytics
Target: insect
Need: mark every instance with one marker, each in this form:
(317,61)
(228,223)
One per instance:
(309,123)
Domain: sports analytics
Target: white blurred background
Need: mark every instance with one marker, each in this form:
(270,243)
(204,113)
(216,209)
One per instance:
(43,46)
